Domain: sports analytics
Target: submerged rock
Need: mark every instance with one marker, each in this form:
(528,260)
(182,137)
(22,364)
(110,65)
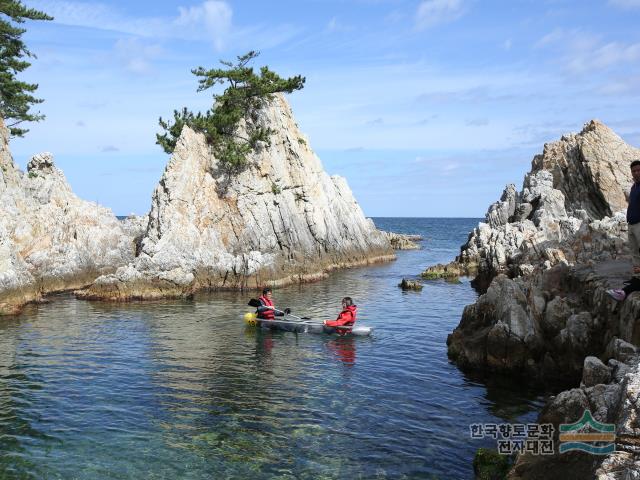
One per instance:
(490,465)
(50,240)
(410,285)
(281,220)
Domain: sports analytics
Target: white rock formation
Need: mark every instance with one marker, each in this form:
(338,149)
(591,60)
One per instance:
(281,220)
(581,179)
(50,240)
(548,254)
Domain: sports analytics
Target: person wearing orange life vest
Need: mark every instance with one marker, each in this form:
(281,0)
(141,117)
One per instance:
(347,317)
(267,310)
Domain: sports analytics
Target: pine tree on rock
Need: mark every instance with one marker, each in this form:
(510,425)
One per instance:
(246,93)
(16,97)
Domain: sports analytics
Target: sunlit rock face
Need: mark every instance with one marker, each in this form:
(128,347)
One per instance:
(282,219)
(568,209)
(544,259)
(546,256)
(50,240)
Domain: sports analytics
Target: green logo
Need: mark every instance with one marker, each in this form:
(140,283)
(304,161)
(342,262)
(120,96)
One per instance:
(588,435)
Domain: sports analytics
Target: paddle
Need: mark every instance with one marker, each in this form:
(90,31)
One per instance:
(256,304)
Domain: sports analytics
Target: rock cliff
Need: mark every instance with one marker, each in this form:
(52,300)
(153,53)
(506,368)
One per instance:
(281,220)
(50,240)
(544,258)
(610,391)
(547,254)
(577,180)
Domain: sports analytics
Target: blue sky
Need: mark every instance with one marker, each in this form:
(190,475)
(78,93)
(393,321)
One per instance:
(427,107)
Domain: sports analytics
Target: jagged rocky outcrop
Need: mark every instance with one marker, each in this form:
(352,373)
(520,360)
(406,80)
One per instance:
(50,240)
(401,241)
(281,220)
(544,258)
(577,180)
(549,253)
(542,326)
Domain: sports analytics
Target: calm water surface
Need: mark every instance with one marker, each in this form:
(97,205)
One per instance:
(183,390)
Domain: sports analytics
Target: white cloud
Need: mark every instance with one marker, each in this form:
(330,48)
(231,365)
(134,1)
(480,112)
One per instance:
(625,3)
(603,57)
(477,122)
(622,86)
(449,168)
(581,52)
(375,121)
(434,12)
(213,15)
(336,26)
(136,55)
(210,20)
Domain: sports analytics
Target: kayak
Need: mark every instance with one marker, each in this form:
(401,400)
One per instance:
(305,326)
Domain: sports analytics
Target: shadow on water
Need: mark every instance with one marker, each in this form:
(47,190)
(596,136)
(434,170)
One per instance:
(182,389)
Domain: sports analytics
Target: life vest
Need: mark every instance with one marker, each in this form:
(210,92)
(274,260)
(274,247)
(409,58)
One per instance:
(266,314)
(346,317)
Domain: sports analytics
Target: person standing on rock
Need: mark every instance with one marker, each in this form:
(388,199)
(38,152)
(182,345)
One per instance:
(633,219)
(267,309)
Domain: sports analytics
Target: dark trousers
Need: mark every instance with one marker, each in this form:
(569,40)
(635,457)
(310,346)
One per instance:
(632,285)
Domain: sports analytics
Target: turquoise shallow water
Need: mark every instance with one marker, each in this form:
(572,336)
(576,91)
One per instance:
(182,389)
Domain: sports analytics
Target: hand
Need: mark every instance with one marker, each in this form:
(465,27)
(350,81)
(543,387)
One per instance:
(287,311)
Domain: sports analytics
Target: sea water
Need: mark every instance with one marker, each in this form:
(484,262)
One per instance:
(183,389)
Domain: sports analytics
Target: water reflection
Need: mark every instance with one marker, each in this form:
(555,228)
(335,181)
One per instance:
(344,349)
(181,389)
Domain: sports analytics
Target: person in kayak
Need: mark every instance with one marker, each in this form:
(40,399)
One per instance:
(267,309)
(347,317)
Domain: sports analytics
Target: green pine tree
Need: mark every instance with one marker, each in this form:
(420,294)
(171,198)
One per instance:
(16,97)
(245,94)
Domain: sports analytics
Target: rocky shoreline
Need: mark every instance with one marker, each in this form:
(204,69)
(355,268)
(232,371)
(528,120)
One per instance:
(543,261)
(50,240)
(282,220)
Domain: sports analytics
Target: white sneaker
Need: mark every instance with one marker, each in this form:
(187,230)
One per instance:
(617,294)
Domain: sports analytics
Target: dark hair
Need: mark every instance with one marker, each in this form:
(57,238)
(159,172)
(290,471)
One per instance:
(266,290)
(348,301)
(634,163)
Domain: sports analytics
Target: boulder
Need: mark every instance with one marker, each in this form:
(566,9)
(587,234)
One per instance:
(410,285)
(401,241)
(594,372)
